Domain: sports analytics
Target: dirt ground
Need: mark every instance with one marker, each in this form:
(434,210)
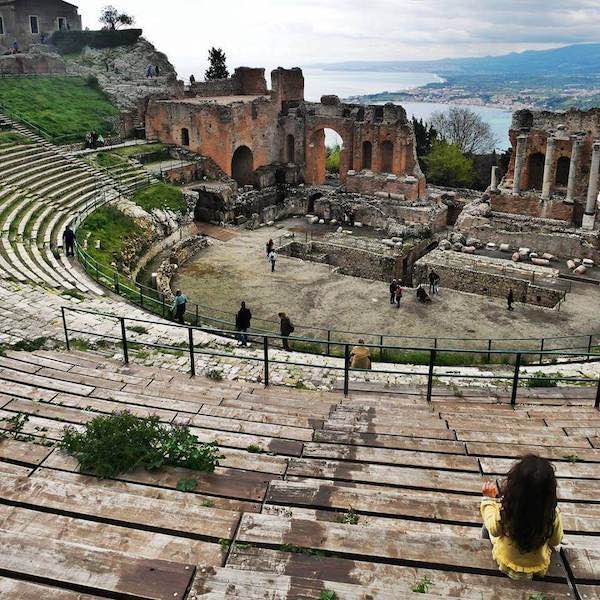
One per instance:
(314,296)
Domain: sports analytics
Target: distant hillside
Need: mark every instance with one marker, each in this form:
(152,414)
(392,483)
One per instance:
(577,59)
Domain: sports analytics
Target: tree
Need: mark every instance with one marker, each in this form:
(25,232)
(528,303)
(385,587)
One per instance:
(448,166)
(333,158)
(464,128)
(113,19)
(425,134)
(217,65)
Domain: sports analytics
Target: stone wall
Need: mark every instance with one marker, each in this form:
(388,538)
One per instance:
(33,63)
(531,205)
(367,182)
(466,277)
(349,261)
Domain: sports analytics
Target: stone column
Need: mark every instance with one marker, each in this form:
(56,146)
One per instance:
(592,195)
(494,180)
(572,182)
(519,162)
(548,168)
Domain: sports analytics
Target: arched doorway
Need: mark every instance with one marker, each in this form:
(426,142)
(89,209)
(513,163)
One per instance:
(325,157)
(185,137)
(367,155)
(563,164)
(387,156)
(290,148)
(535,168)
(242,166)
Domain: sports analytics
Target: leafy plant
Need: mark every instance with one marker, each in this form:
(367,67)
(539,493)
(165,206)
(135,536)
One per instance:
(348,518)
(208,503)
(225,544)
(540,379)
(15,427)
(540,596)
(187,485)
(137,329)
(572,458)
(255,449)
(215,374)
(422,586)
(30,345)
(121,442)
(328,595)
(301,550)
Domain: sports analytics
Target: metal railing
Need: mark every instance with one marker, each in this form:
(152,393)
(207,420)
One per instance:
(484,349)
(268,342)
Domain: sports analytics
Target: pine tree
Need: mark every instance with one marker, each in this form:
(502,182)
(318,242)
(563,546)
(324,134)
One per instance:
(218,66)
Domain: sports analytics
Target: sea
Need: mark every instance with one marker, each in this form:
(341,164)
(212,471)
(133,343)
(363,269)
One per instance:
(319,82)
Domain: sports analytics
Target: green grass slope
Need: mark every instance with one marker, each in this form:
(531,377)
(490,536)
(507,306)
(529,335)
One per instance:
(66,108)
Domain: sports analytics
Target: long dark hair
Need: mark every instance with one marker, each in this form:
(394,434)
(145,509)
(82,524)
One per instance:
(529,502)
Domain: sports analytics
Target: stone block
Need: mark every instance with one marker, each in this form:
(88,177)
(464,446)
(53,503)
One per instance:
(339,230)
(270,223)
(457,246)
(333,222)
(580,270)
(548,256)
(577,261)
(541,262)
(523,251)
(313,220)
(571,264)
(533,255)
(516,257)
(321,221)
(504,247)
(469,249)
(474,242)
(358,224)
(490,246)
(445,245)
(588,262)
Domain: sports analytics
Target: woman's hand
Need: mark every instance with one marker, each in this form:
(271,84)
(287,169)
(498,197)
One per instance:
(489,489)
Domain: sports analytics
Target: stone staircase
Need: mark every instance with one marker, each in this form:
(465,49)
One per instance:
(317,497)
(42,190)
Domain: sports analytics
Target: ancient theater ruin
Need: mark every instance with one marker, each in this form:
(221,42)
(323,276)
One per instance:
(554,168)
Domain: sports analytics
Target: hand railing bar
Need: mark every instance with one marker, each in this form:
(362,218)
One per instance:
(321,341)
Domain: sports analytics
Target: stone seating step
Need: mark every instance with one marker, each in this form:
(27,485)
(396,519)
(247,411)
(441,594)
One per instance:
(34,268)
(15,589)
(15,261)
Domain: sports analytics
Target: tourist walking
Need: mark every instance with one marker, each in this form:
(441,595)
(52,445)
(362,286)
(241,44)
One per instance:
(422,295)
(525,523)
(242,323)
(272,258)
(69,241)
(398,296)
(510,299)
(179,306)
(149,72)
(192,79)
(269,247)
(286,328)
(393,287)
(360,357)
(156,70)
(434,283)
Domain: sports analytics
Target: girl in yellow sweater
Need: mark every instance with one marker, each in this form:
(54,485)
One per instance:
(524,524)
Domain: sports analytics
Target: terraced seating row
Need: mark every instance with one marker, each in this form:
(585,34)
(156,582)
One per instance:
(127,173)
(365,496)
(43,189)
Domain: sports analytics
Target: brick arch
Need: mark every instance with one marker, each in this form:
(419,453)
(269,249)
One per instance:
(315,149)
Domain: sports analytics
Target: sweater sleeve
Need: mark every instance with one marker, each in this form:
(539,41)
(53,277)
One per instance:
(557,534)
(490,511)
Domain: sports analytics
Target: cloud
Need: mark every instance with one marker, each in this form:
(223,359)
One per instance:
(296,32)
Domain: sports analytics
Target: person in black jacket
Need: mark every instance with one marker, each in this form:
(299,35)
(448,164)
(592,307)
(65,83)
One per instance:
(393,288)
(286,329)
(69,241)
(510,299)
(242,323)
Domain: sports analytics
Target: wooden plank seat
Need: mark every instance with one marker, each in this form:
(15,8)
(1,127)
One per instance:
(348,540)
(93,569)
(401,579)
(14,589)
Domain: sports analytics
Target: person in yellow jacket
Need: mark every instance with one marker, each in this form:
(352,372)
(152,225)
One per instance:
(524,524)
(360,357)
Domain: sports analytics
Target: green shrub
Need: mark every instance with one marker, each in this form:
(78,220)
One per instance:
(540,379)
(333,158)
(422,586)
(69,42)
(121,442)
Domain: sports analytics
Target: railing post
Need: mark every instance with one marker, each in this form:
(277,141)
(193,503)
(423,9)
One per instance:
(346,369)
(141,298)
(515,385)
(489,355)
(380,348)
(97,272)
(542,352)
(64,320)
(197,319)
(116,277)
(329,342)
(192,358)
(432,355)
(597,403)
(124,341)
(162,305)
(589,345)
(266,359)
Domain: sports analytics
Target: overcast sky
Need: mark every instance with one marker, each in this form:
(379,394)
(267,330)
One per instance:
(299,32)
